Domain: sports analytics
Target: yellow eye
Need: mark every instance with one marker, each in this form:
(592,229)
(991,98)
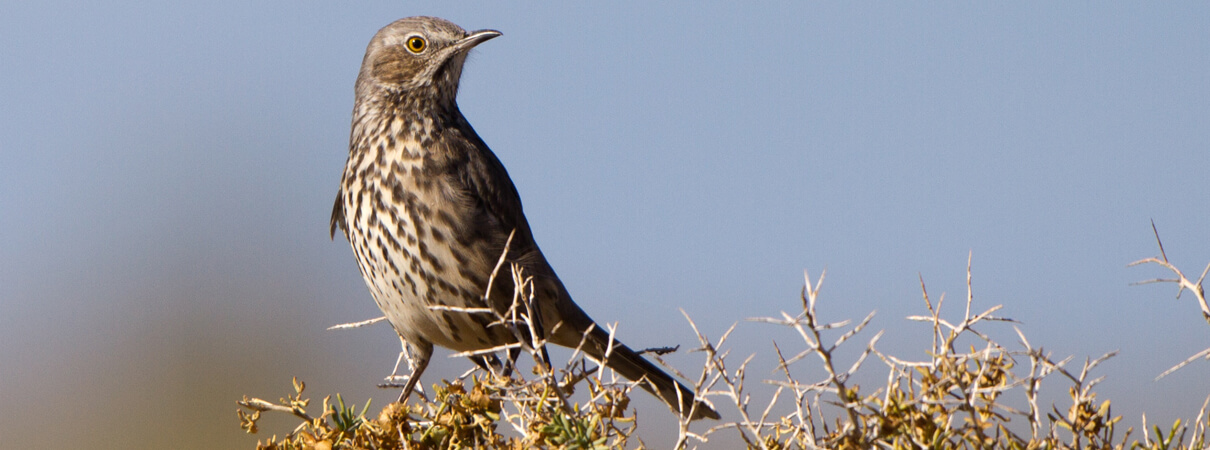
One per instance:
(416,44)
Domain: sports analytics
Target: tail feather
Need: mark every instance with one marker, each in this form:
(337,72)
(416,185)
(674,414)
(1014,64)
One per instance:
(650,377)
(568,330)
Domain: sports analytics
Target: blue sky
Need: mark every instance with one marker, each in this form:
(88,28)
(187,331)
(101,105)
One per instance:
(166,175)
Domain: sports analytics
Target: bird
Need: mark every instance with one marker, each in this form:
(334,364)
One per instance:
(429,211)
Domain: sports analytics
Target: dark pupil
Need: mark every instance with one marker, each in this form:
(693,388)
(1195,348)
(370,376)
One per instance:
(417,44)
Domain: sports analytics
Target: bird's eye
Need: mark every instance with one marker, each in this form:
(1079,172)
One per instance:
(416,44)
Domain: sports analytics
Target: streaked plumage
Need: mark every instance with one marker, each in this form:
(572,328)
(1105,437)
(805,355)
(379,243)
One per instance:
(427,208)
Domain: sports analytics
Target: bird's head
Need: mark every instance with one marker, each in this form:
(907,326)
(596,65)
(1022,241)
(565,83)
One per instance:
(418,54)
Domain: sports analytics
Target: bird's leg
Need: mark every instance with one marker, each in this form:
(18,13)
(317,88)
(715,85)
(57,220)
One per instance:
(513,354)
(424,351)
(491,363)
(537,332)
(546,359)
(392,380)
(404,354)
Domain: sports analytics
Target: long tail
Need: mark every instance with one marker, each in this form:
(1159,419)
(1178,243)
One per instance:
(636,368)
(568,324)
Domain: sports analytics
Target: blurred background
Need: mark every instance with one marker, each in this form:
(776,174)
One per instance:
(167,173)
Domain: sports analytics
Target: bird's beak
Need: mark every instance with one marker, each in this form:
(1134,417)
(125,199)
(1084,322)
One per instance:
(475,38)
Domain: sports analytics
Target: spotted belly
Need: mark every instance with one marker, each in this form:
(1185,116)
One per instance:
(411,265)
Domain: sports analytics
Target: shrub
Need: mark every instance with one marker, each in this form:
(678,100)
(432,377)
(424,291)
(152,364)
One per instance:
(954,399)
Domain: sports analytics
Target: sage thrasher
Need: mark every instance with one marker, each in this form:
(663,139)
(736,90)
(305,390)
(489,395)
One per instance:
(428,210)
